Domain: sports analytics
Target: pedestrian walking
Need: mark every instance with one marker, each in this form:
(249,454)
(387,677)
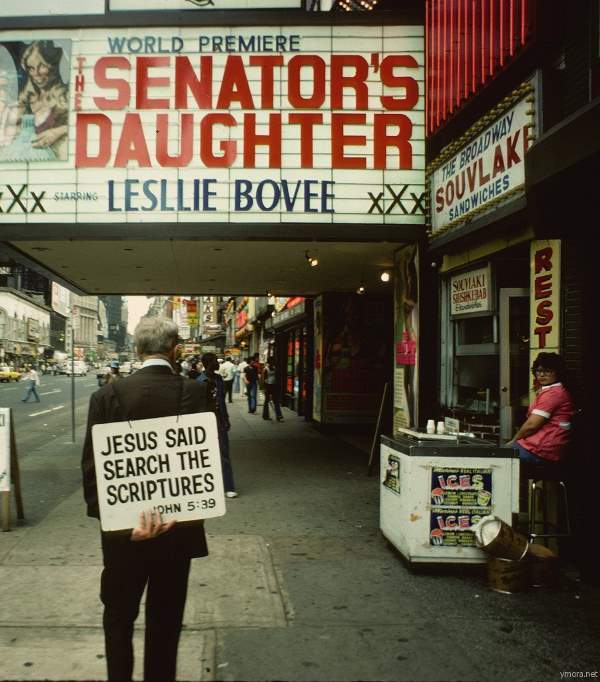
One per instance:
(154,553)
(33,382)
(211,377)
(250,379)
(271,390)
(236,375)
(114,374)
(242,384)
(227,371)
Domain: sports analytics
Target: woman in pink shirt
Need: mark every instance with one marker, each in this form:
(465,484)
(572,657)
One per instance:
(545,435)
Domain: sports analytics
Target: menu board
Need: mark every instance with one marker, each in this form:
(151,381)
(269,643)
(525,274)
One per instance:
(459,498)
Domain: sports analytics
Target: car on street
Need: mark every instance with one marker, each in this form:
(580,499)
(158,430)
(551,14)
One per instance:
(80,369)
(7,373)
(125,368)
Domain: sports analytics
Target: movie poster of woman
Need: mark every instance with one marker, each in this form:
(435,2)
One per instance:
(406,326)
(34,100)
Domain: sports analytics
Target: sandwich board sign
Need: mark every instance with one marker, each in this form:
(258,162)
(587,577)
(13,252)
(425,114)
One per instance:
(4,449)
(9,468)
(169,464)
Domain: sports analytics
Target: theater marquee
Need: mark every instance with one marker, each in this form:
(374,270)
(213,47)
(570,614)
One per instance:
(301,124)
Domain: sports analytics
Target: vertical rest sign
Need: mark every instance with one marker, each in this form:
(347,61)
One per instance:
(4,449)
(169,464)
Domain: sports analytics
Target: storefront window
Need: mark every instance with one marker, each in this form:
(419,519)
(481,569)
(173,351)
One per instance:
(476,387)
(475,331)
(470,361)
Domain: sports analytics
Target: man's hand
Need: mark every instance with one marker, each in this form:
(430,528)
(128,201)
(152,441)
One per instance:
(150,526)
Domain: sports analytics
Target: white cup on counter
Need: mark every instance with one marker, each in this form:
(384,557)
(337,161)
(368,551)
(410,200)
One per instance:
(440,428)
(430,428)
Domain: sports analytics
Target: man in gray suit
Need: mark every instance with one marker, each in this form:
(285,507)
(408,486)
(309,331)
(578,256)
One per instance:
(154,554)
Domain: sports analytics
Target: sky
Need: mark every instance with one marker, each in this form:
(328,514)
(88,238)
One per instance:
(136,307)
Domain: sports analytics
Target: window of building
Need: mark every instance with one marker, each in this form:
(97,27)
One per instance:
(470,360)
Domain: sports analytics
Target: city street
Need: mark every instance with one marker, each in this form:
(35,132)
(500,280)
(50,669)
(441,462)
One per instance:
(38,425)
(35,423)
(300,583)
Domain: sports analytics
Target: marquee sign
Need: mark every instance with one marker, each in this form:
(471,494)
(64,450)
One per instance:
(488,167)
(41,8)
(301,124)
(144,5)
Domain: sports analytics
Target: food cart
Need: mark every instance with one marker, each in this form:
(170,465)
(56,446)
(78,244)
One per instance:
(435,487)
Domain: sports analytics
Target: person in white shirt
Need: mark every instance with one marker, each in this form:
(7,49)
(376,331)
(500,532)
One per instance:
(227,371)
(33,381)
(241,367)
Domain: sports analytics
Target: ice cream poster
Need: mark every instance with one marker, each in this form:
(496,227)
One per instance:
(392,474)
(34,100)
(458,498)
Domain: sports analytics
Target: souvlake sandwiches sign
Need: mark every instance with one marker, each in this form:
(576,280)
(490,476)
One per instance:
(488,168)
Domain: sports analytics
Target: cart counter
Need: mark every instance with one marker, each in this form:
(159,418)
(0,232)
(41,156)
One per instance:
(434,488)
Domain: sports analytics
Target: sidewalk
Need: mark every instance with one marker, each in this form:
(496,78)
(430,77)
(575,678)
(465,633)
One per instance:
(299,585)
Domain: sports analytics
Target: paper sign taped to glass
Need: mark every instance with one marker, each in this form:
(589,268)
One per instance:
(169,464)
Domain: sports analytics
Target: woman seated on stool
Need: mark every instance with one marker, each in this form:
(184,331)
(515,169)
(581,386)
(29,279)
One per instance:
(545,435)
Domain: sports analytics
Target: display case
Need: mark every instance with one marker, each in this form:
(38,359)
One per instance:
(434,488)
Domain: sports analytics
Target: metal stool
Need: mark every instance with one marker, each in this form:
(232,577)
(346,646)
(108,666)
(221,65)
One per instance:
(540,474)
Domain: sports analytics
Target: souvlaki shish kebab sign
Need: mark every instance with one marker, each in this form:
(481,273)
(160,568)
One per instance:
(309,123)
(171,465)
(485,169)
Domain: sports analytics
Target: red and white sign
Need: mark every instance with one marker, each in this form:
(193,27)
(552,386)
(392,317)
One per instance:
(262,124)
(544,313)
(488,167)
(470,292)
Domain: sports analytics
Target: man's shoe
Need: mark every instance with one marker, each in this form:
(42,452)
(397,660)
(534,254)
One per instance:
(269,418)
(231,493)
(279,419)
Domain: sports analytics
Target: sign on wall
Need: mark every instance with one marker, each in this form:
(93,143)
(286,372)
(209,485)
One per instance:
(60,299)
(470,292)
(544,315)
(170,464)
(406,337)
(488,168)
(195,124)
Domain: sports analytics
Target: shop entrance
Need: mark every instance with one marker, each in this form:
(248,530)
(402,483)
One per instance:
(514,359)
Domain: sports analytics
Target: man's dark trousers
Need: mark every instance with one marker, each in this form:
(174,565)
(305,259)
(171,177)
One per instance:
(228,386)
(121,592)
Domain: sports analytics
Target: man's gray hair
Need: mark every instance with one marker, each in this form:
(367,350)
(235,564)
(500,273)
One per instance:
(155,336)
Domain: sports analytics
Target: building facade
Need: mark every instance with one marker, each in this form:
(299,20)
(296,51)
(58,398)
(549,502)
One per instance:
(512,109)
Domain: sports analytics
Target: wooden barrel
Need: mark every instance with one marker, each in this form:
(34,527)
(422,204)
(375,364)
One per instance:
(507,575)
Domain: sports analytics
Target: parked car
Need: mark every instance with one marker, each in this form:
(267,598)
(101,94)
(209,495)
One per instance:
(7,374)
(125,368)
(80,369)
